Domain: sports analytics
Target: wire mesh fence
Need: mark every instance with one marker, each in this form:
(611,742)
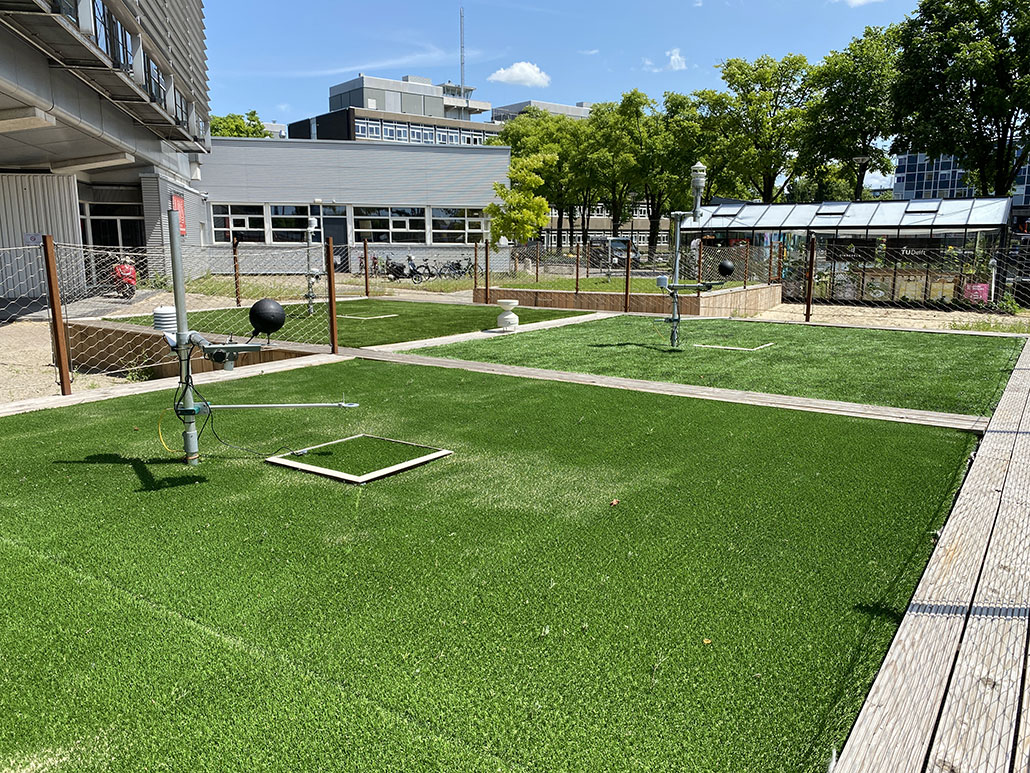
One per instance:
(113,299)
(26,351)
(918,285)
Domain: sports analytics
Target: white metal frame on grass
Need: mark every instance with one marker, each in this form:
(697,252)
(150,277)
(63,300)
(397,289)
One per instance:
(286,461)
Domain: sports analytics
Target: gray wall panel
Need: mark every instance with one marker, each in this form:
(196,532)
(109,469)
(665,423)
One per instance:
(297,171)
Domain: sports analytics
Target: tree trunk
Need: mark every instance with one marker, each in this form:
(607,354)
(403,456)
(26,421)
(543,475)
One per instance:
(654,223)
(561,225)
(860,180)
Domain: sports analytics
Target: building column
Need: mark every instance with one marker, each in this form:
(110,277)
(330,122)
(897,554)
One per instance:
(170,94)
(139,63)
(85,13)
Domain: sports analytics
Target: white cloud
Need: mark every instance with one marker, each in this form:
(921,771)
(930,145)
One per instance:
(284,107)
(857,3)
(590,52)
(522,74)
(698,3)
(676,62)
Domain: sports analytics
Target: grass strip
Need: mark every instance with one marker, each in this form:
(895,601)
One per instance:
(927,371)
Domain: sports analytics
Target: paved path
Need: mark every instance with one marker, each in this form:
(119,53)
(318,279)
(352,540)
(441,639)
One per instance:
(952,694)
(906,415)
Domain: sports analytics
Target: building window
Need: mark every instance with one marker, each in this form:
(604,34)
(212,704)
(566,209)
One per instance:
(428,135)
(155,80)
(374,129)
(182,109)
(390,225)
(453,225)
(389,131)
(245,222)
(290,223)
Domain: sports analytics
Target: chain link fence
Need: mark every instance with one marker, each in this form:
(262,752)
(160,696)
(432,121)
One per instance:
(26,349)
(918,286)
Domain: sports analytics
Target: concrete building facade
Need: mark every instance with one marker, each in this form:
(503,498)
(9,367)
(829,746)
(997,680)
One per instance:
(385,193)
(503,113)
(103,116)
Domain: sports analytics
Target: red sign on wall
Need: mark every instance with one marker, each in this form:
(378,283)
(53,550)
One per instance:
(179,205)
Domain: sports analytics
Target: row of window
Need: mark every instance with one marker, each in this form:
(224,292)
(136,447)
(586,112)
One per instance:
(393,131)
(285,223)
(115,40)
(599,210)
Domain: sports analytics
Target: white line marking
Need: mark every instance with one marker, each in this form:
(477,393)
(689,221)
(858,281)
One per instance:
(381,316)
(733,348)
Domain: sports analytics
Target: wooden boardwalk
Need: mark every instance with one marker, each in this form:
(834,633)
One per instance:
(960,421)
(952,694)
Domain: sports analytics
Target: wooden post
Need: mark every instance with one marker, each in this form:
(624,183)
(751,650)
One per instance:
(62,360)
(236,269)
(486,271)
(330,268)
(747,262)
(779,264)
(629,266)
(810,280)
(475,267)
(577,269)
(367,288)
(538,262)
(586,249)
(768,274)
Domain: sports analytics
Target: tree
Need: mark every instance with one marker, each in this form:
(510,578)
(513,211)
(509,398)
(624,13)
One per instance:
(535,132)
(521,213)
(851,112)
(236,125)
(611,160)
(765,114)
(963,86)
(657,169)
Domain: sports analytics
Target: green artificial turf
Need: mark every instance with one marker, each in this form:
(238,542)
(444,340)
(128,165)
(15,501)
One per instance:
(361,455)
(495,610)
(928,371)
(413,321)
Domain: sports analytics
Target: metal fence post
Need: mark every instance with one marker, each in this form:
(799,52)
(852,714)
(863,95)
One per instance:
(330,268)
(629,267)
(577,268)
(236,270)
(486,271)
(367,289)
(810,280)
(700,264)
(62,360)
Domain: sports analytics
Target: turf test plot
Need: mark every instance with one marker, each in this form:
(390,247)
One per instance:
(360,458)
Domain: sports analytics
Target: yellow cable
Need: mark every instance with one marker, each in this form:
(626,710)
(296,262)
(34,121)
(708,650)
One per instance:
(160,435)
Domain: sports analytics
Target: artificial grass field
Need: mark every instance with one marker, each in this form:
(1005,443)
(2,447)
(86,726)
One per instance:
(414,321)
(928,371)
(494,610)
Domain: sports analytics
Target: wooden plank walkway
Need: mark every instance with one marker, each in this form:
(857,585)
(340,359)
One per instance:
(952,693)
(975,424)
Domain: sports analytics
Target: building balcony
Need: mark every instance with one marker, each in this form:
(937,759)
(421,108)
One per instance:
(52,26)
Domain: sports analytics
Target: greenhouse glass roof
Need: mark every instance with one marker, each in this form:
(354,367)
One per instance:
(919,215)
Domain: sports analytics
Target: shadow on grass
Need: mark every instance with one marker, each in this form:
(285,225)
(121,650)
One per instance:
(879,610)
(147,479)
(652,347)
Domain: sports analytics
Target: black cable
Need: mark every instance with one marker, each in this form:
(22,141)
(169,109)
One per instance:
(211,420)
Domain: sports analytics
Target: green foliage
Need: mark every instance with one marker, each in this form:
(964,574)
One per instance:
(521,213)
(851,111)
(1008,305)
(236,125)
(765,114)
(963,86)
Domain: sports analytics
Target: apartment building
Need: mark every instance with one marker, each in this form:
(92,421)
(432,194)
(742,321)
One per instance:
(103,117)
(411,111)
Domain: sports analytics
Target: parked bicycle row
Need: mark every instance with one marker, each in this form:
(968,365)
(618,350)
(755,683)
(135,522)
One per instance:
(425,271)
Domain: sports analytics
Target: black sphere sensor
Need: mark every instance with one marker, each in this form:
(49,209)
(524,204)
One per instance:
(267,316)
(726,267)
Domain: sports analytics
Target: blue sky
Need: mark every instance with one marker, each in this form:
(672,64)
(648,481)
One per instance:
(280,58)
